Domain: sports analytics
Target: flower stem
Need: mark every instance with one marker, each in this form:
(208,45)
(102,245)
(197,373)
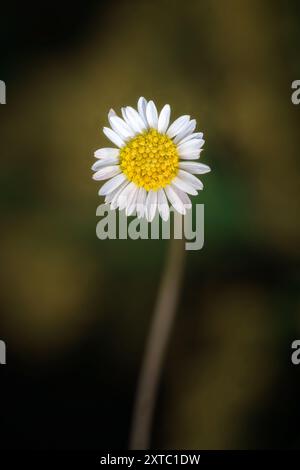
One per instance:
(163,318)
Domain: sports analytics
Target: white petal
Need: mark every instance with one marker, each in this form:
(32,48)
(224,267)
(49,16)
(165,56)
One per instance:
(136,122)
(107,153)
(125,117)
(191,179)
(190,146)
(151,205)
(105,162)
(142,104)
(113,136)
(184,197)
(185,131)
(163,205)
(121,128)
(195,135)
(177,126)
(164,119)
(152,116)
(112,184)
(194,167)
(141,199)
(184,186)
(107,172)
(190,155)
(131,204)
(111,113)
(125,195)
(115,195)
(109,197)
(175,200)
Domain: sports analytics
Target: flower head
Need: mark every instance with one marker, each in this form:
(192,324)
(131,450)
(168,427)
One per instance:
(153,162)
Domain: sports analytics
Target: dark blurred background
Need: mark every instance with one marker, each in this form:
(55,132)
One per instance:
(75,310)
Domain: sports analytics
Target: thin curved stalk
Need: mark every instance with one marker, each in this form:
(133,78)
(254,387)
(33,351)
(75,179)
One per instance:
(163,318)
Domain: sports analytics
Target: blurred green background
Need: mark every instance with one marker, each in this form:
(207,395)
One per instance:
(75,310)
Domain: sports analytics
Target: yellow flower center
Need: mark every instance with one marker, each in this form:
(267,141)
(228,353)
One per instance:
(150,160)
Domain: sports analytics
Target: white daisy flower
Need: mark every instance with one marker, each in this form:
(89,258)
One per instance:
(152,162)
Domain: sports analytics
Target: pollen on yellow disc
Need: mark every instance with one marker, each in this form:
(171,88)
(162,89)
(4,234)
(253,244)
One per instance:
(150,160)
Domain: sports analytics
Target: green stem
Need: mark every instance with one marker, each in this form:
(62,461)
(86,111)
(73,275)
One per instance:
(163,319)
